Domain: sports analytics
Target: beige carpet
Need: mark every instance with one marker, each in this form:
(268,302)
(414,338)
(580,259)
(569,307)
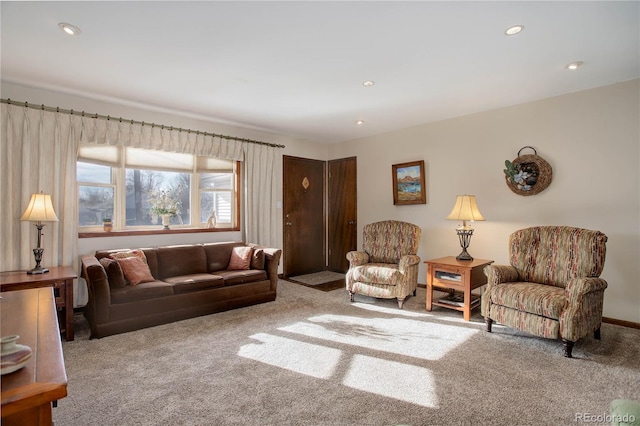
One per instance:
(313,358)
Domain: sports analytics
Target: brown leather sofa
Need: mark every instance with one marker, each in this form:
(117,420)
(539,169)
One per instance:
(189,281)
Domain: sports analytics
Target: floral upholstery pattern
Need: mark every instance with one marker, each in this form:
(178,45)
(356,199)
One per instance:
(387,267)
(552,288)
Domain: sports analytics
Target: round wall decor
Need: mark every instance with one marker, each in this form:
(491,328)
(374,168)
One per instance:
(528,174)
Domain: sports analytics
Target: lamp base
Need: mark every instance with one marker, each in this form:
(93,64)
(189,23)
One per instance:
(37,254)
(464,234)
(464,255)
(38,270)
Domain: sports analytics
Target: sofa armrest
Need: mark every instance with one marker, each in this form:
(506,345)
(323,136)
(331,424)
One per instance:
(271,262)
(498,274)
(94,274)
(357,258)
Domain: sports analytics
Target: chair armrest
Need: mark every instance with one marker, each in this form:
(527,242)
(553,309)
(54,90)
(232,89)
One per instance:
(497,274)
(408,261)
(582,313)
(357,258)
(578,287)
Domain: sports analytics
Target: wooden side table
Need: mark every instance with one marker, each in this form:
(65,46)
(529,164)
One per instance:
(60,278)
(28,393)
(459,277)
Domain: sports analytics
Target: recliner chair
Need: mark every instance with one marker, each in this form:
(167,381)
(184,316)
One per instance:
(387,267)
(552,288)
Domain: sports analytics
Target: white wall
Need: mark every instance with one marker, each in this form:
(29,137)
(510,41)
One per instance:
(591,140)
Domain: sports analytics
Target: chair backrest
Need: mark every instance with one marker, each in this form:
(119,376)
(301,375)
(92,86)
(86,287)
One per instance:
(554,254)
(387,241)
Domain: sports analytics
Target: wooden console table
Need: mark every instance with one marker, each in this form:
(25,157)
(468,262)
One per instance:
(27,394)
(59,277)
(461,276)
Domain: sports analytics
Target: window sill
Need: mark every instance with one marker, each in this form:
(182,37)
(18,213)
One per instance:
(127,233)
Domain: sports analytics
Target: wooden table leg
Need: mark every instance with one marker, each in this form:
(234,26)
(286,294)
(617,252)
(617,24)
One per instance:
(429,289)
(68,308)
(467,302)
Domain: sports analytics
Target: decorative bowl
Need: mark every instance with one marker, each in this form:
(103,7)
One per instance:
(12,355)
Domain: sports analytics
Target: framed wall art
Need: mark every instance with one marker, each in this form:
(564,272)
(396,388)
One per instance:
(409,183)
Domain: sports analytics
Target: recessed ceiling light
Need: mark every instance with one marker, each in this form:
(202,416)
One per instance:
(69,29)
(368,83)
(514,30)
(359,122)
(574,65)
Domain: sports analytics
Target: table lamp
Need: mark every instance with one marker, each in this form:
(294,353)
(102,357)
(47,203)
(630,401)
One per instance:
(40,209)
(465,209)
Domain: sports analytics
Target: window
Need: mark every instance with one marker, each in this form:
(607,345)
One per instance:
(95,194)
(216,197)
(134,187)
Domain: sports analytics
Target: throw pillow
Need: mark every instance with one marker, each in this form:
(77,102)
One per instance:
(135,270)
(128,253)
(240,258)
(114,272)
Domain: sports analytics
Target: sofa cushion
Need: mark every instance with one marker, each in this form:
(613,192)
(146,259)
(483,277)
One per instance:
(174,261)
(194,282)
(218,255)
(257,258)
(240,258)
(379,273)
(242,277)
(152,260)
(539,299)
(135,270)
(142,291)
(114,272)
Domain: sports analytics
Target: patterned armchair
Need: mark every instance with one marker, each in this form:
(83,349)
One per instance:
(388,265)
(551,289)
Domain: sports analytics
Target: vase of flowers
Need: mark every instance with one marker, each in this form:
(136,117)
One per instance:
(166,220)
(165,204)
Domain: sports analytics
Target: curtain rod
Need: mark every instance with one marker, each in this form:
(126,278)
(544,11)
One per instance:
(120,119)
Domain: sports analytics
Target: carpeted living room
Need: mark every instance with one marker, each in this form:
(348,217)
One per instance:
(320,213)
(312,358)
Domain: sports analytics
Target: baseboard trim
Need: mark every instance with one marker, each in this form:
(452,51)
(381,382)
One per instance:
(623,323)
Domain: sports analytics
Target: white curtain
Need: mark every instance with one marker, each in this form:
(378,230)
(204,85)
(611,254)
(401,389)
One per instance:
(151,136)
(38,153)
(261,170)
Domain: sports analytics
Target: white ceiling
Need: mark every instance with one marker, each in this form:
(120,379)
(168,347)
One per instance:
(297,67)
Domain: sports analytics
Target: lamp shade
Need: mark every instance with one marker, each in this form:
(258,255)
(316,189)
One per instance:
(465,209)
(40,209)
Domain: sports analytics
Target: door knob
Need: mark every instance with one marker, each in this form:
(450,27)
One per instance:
(352,222)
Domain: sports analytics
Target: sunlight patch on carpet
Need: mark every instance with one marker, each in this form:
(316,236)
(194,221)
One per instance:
(391,311)
(404,382)
(304,358)
(400,336)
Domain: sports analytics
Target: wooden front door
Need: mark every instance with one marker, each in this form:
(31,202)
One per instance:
(303,216)
(343,231)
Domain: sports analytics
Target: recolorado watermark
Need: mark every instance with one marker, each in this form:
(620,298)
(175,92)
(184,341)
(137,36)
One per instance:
(603,418)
